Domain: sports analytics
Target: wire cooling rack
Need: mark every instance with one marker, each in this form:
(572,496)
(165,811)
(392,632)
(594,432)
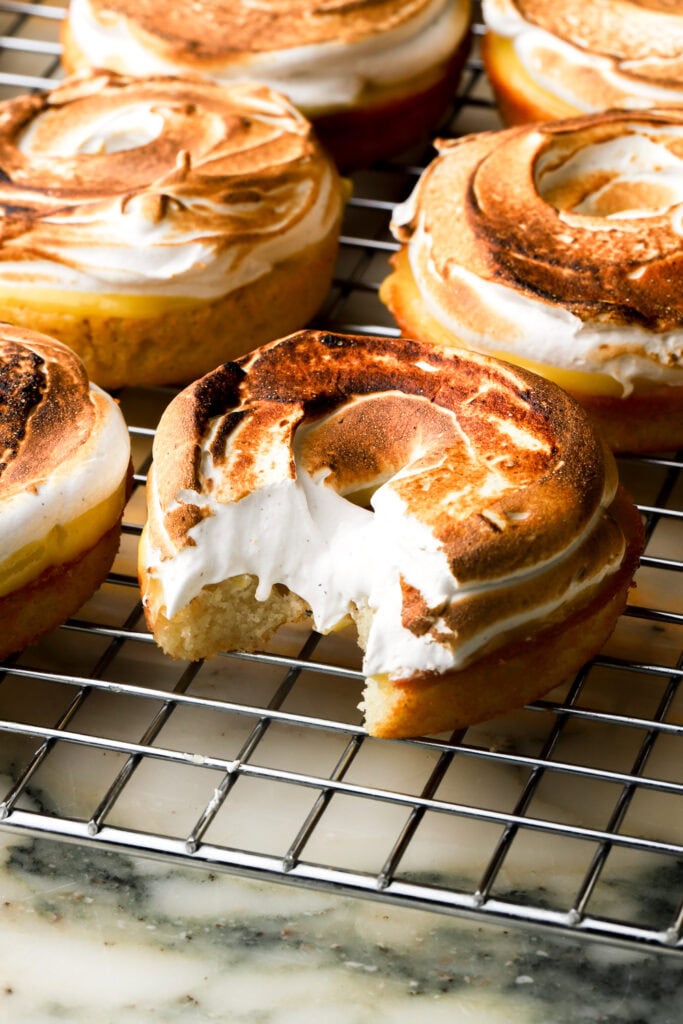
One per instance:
(567,815)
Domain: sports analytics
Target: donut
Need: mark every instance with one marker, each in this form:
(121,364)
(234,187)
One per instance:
(64,480)
(464,513)
(374,76)
(160,226)
(549,59)
(567,259)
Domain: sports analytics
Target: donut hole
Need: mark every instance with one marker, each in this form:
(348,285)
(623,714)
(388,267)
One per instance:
(634,174)
(367,441)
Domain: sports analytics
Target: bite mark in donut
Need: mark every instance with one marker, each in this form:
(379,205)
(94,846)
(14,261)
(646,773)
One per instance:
(494,515)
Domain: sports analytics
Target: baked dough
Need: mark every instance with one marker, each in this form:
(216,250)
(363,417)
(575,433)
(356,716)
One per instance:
(567,259)
(159,226)
(463,513)
(64,479)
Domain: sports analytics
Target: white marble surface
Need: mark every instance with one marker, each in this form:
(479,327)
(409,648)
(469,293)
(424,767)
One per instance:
(92,937)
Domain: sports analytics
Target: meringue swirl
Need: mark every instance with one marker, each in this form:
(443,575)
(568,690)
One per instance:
(159,186)
(323,54)
(569,247)
(64,445)
(596,55)
(488,508)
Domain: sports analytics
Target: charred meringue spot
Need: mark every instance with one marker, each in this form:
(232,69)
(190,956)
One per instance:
(250,448)
(21,387)
(416,615)
(46,411)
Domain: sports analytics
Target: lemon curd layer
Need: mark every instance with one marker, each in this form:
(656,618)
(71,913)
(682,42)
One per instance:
(401,294)
(90,304)
(507,69)
(64,543)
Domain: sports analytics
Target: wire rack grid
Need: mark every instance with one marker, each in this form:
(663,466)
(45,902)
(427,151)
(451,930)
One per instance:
(567,815)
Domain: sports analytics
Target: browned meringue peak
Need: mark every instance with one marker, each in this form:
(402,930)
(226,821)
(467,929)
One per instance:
(624,269)
(212,145)
(643,37)
(505,469)
(46,413)
(204,30)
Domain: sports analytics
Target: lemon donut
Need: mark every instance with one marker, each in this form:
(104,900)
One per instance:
(463,513)
(160,226)
(548,59)
(566,257)
(65,475)
(374,76)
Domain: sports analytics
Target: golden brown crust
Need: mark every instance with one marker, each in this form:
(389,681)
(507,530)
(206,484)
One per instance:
(648,420)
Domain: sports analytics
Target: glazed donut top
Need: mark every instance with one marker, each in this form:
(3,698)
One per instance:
(162,186)
(488,490)
(64,444)
(569,248)
(321,53)
(600,54)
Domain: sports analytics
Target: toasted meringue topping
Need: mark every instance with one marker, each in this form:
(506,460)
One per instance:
(596,55)
(323,55)
(64,445)
(569,247)
(488,493)
(161,186)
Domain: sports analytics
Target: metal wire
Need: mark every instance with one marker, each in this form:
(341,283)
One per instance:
(96,701)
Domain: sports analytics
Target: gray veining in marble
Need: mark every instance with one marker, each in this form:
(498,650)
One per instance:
(93,937)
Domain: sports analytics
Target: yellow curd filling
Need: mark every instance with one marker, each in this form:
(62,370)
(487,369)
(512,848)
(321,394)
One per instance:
(87,304)
(400,293)
(504,62)
(64,543)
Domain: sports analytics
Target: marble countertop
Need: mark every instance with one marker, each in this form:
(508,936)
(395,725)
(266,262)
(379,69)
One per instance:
(91,936)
